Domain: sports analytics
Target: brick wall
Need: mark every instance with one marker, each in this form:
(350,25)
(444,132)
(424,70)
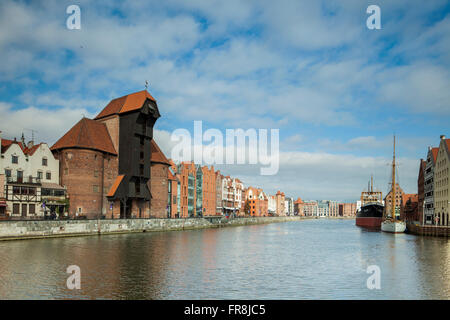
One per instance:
(159,189)
(88,175)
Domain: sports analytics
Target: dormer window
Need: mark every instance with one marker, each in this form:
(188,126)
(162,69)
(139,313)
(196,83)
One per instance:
(14,159)
(44,161)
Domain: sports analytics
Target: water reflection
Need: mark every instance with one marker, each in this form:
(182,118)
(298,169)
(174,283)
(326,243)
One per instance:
(320,259)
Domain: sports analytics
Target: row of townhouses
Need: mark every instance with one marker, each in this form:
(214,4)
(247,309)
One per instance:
(111,167)
(433,187)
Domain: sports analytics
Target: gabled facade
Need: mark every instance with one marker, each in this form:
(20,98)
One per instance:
(420,192)
(30,175)
(429,186)
(258,202)
(442,183)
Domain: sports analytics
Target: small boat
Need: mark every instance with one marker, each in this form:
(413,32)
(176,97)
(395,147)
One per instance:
(392,222)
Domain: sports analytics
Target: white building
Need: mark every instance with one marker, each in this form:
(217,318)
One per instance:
(272,205)
(31,175)
(289,206)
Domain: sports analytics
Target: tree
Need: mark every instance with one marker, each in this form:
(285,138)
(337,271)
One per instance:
(247,208)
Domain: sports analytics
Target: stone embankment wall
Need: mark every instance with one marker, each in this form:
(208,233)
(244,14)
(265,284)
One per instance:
(435,231)
(10,230)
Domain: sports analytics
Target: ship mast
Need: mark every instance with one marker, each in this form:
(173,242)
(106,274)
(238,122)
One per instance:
(393,185)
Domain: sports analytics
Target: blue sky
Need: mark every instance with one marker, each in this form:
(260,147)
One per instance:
(336,90)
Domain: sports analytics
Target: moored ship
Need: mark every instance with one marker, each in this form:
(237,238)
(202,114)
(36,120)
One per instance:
(371,213)
(392,221)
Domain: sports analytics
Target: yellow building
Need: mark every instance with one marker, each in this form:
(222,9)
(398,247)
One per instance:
(442,183)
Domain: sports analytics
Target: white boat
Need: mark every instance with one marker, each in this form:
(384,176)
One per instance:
(391,223)
(393,226)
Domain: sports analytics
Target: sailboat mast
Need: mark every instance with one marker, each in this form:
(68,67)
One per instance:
(393,184)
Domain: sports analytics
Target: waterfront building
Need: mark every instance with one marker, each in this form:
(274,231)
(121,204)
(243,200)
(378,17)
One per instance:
(347,209)
(429,186)
(30,175)
(280,198)
(233,196)
(289,206)
(410,207)
(208,191)
(257,201)
(219,193)
(298,207)
(442,183)
(106,162)
(310,208)
(272,205)
(3,204)
(187,175)
(399,194)
(173,193)
(420,193)
(323,208)
(333,208)
(159,183)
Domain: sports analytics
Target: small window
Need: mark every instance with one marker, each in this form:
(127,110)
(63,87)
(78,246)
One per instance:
(137,186)
(44,161)
(48,176)
(66,171)
(96,189)
(16,208)
(39,175)
(32,209)
(14,159)
(8,173)
(96,173)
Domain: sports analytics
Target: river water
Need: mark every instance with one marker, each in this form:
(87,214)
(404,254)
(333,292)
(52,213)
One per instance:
(309,259)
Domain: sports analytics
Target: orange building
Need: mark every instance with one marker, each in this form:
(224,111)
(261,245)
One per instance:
(257,201)
(279,198)
(186,173)
(298,207)
(399,194)
(208,187)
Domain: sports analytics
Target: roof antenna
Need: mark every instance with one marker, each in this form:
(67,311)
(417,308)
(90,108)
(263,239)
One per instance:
(146,84)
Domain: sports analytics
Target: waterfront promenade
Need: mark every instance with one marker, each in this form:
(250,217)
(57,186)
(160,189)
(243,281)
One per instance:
(15,230)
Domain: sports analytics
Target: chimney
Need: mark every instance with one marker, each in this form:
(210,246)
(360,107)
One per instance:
(23,140)
(442,137)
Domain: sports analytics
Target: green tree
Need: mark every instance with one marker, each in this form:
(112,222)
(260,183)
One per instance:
(247,208)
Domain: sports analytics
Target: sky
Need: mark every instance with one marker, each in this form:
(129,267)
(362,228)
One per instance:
(336,90)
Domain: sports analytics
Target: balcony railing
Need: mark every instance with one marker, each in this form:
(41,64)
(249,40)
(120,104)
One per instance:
(23,180)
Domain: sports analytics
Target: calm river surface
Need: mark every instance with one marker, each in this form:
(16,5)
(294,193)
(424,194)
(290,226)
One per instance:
(310,259)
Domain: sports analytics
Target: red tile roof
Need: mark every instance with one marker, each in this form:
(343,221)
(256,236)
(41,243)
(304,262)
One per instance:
(130,102)
(6,143)
(157,155)
(87,134)
(115,185)
(434,152)
(32,150)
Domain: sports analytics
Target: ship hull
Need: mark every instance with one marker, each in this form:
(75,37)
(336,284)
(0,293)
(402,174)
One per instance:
(393,226)
(370,216)
(369,222)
